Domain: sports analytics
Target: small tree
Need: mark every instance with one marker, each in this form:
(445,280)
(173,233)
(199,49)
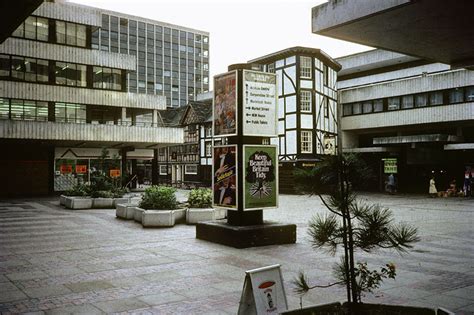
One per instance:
(350,224)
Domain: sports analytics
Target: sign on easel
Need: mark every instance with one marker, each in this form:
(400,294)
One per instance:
(263,292)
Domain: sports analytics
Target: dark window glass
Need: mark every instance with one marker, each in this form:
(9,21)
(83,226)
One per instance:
(378,106)
(367,107)
(393,103)
(436,98)
(4,66)
(29,110)
(456,95)
(81,35)
(407,101)
(30,27)
(4,108)
(60,112)
(30,69)
(18,68)
(61,69)
(42,29)
(470,94)
(421,100)
(42,111)
(356,108)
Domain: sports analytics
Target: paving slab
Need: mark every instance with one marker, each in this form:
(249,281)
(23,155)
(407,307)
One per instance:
(84,309)
(89,286)
(162,298)
(120,305)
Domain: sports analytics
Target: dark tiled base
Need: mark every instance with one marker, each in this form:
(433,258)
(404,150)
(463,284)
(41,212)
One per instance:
(269,233)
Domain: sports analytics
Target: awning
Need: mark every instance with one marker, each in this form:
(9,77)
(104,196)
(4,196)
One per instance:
(417,139)
(370,150)
(459,146)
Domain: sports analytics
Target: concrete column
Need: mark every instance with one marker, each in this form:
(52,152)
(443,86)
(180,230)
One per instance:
(154,168)
(155,118)
(124,114)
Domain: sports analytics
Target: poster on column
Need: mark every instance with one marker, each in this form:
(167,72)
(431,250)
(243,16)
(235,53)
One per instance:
(261,177)
(225,104)
(260,101)
(224,180)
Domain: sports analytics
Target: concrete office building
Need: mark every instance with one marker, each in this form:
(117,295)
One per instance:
(406,108)
(172,60)
(62,99)
(307,107)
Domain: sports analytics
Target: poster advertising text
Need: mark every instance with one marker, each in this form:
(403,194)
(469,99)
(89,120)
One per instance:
(260,104)
(225,104)
(224,184)
(261,177)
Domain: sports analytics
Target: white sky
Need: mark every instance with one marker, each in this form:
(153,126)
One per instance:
(240,30)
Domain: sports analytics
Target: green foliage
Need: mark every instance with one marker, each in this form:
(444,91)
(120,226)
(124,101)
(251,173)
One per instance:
(78,190)
(159,198)
(102,194)
(118,192)
(200,198)
(351,225)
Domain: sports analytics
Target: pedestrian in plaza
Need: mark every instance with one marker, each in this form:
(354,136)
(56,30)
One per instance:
(391,184)
(467,183)
(432,190)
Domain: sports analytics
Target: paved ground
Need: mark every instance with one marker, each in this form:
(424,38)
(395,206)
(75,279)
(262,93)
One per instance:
(56,261)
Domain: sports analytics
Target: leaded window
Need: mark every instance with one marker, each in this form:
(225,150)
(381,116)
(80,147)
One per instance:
(305,67)
(306,141)
(305,101)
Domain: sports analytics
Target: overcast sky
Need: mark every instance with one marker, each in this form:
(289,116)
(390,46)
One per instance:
(240,30)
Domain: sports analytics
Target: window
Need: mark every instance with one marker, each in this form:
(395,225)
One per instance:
(71,34)
(271,68)
(456,95)
(305,67)
(470,94)
(436,98)
(367,107)
(356,108)
(325,75)
(190,169)
(107,78)
(393,103)
(347,109)
(208,149)
(378,106)
(266,141)
(72,113)
(208,132)
(4,66)
(305,101)
(421,100)
(326,107)
(4,108)
(33,28)
(24,110)
(163,170)
(71,74)
(306,141)
(25,69)
(407,101)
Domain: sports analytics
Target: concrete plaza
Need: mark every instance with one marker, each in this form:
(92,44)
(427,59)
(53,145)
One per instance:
(57,261)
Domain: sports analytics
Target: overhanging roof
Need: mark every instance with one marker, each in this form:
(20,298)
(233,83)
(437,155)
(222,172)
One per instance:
(437,30)
(13,13)
(416,139)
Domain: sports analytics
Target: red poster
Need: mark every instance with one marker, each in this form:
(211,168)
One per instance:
(114,173)
(65,169)
(81,169)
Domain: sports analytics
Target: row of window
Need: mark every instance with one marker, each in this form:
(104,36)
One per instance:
(16,109)
(189,169)
(452,96)
(66,33)
(71,74)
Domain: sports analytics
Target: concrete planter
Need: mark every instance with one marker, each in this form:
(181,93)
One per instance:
(195,215)
(62,200)
(125,211)
(220,214)
(121,200)
(163,218)
(77,203)
(103,203)
(137,214)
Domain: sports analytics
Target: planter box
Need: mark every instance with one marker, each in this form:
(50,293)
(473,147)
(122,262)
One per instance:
(220,214)
(195,215)
(103,203)
(163,218)
(62,200)
(125,211)
(120,201)
(137,214)
(77,203)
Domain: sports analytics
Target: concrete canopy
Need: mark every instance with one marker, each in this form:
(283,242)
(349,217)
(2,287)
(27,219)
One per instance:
(437,30)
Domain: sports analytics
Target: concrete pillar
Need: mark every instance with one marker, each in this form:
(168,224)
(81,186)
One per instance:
(124,114)
(155,118)
(154,168)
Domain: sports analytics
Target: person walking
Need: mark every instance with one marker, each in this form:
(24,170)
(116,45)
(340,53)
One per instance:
(391,184)
(433,191)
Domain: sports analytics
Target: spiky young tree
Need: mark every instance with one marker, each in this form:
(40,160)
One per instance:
(354,226)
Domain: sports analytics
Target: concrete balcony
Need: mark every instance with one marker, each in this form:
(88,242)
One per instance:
(70,12)
(417,116)
(16,129)
(66,94)
(43,50)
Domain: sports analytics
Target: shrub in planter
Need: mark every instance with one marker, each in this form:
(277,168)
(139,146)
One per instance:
(118,192)
(159,198)
(200,198)
(79,190)
(102,194)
